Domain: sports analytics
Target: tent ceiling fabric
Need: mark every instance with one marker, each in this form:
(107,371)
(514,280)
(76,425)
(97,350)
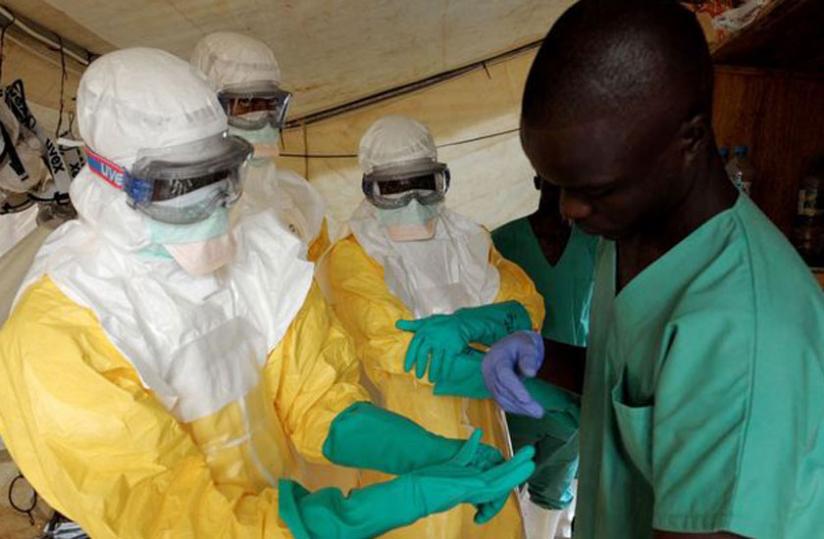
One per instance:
(491,178)
(52,16)
(331,52)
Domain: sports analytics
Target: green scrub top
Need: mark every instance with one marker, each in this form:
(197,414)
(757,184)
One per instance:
(566,286)
(567,290)
(703,405)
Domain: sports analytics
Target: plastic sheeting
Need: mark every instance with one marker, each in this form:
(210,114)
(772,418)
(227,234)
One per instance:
(16,226)
(15,264)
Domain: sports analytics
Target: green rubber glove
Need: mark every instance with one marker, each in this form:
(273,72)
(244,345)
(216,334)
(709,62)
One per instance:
(374,510)
(441,336)
(462,377)
(365,436)
(555,439)
(555,435)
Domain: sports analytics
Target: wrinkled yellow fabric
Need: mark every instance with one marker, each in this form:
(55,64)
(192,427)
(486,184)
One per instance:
(368,310)
(320,244)
(101,449)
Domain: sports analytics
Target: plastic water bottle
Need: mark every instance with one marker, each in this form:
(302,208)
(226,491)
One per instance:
(808,232)
(740,169)
(724,152)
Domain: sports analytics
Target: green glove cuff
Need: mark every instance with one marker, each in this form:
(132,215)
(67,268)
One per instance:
(463,378)
(550,486)
(376,509)
(489,324)
(366,512)
(365,436)
(554,399)
(290,495)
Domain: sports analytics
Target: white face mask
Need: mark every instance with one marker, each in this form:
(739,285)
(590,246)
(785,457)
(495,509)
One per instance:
(200,248)
(264,140)
(203,257)
(413,222)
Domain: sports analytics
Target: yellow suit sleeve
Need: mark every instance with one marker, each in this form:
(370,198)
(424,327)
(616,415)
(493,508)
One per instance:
(314,373)
(516,285)
(320,244)
(98,446)
(367,308)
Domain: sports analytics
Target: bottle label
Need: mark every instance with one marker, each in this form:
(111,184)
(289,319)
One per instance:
(808,203)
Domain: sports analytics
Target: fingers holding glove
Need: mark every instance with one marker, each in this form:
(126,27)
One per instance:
(505,365)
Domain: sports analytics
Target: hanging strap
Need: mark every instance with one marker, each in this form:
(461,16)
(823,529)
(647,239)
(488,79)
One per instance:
(63,165)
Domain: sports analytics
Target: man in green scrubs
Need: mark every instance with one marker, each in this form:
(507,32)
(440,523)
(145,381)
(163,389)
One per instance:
(703,397)
(559,258)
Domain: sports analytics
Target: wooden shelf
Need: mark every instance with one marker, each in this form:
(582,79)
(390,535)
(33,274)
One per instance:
(787,35)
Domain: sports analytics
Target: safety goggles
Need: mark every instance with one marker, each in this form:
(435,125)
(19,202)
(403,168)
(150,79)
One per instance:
(181,184)
(395,186)
(254,105)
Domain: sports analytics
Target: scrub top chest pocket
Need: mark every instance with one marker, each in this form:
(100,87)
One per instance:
(632,382)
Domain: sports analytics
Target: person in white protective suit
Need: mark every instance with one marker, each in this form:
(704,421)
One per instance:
(415,284)
(169,357)
(246,76)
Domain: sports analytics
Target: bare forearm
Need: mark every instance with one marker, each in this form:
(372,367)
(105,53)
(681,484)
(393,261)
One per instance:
(563,366)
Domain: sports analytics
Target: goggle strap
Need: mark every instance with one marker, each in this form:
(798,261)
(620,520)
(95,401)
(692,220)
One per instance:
(108,171)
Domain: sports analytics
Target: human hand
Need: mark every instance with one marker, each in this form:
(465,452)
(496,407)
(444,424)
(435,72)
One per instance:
(507,361)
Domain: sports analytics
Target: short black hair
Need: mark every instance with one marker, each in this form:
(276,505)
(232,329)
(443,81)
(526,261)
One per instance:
(604,57)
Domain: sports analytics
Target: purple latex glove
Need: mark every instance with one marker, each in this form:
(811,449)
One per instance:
(521,354)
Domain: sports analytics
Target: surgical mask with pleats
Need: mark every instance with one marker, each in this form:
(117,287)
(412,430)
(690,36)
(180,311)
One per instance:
(265,140)
(413,222)
(199,248)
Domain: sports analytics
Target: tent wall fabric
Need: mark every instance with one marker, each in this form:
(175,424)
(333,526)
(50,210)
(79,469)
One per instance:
(491,178)
(41,70)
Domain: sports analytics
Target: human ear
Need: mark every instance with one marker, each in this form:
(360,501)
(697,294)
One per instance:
(693,135)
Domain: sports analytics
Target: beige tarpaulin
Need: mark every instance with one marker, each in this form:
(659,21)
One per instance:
(330,51)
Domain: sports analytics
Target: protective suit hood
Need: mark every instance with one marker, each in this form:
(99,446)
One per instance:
(435,276)
(228,58)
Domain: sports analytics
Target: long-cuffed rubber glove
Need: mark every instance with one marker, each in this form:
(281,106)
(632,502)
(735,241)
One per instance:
(554,436)
(376,509)
(463,377)
(441,336)
(365,436)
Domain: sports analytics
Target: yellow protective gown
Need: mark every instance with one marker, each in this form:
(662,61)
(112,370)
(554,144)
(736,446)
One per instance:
(368,311)
(320,244)
(100,448)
